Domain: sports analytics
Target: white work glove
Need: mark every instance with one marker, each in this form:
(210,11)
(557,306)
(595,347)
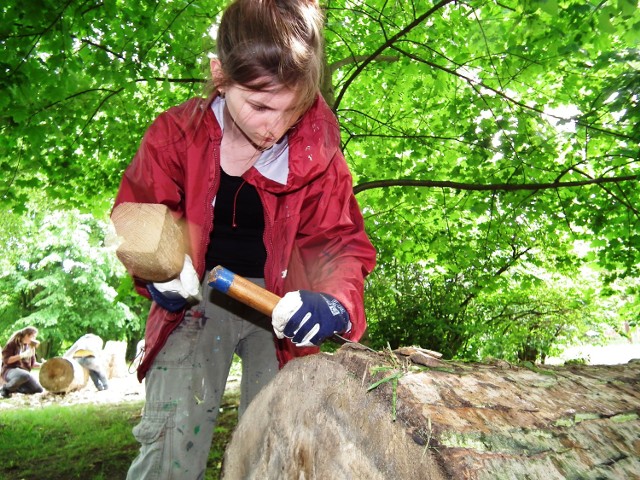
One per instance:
(175,294)
(26,354)
(308,318)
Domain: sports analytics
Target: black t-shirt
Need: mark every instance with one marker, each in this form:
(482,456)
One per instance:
(236,240)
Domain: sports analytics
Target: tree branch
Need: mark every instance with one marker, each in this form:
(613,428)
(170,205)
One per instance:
(37,40)
(386,45)
(102,47)
(407,182)
(475,83)
(361,58)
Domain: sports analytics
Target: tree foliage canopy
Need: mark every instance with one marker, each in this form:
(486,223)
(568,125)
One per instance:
(482,135)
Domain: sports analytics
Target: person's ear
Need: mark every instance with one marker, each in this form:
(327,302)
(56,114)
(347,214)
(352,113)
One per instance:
(217,74)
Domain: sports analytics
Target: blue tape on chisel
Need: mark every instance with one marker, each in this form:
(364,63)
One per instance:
(222,280)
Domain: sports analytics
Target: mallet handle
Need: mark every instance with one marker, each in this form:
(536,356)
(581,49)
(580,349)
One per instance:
(243,290)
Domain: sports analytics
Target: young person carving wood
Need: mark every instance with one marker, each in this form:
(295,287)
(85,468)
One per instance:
(256,175)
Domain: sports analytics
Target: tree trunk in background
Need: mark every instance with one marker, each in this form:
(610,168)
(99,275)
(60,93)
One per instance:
(63,375)
(113,356)
(456,420)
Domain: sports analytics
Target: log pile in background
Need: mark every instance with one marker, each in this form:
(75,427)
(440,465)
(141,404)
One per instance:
(63,375)
(332,416)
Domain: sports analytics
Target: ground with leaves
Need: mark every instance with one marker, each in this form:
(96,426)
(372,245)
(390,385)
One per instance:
(125,389)
(120,390)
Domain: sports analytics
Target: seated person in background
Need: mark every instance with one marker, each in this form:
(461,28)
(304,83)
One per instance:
(87,352)
(18,358)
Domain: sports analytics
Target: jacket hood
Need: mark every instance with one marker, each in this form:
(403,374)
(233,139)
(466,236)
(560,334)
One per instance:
(313,144)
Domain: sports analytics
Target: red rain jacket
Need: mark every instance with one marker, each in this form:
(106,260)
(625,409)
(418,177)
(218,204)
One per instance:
(314,230)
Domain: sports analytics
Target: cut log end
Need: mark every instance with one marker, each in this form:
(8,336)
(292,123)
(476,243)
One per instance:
(322,424)
(62,375)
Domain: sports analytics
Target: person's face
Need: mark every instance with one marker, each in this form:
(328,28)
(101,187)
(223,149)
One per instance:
(263,117)
(30,337)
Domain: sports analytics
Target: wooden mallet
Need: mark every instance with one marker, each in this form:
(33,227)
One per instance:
(151,242)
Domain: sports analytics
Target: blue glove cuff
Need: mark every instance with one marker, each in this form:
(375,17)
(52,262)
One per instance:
(171,303)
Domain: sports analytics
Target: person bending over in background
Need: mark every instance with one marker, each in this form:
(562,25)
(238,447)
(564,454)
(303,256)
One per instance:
(87,351)
(18,358)
(256,175)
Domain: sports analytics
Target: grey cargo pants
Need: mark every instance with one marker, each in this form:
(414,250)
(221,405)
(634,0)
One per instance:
(185,384)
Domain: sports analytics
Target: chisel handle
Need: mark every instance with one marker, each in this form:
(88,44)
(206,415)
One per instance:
(255,296)
(243,290)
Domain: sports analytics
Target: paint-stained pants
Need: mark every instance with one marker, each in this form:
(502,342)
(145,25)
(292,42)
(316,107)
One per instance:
(185,384)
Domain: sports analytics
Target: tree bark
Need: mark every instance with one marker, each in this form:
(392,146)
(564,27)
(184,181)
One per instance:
(330,416)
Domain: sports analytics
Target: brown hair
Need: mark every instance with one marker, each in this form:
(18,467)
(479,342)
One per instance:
(267,43)
(20,334)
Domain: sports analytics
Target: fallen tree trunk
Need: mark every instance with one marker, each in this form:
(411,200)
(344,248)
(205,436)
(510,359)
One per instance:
(357,414)
(63,375)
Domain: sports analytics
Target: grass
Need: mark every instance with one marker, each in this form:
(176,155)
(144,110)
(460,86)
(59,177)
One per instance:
(89,442)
